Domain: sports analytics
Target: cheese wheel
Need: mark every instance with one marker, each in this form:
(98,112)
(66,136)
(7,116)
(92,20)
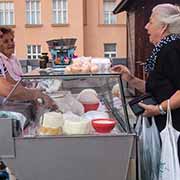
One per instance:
(88,96)
(74,124)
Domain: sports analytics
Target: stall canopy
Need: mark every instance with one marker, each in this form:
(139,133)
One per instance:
(124,5)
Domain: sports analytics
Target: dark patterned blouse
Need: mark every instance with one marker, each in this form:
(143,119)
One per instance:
(5,70)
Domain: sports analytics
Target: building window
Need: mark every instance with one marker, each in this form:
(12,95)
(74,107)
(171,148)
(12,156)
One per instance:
(60,11)
(33,12)
(6,13)
(110,50)
(109,17)
(33,51)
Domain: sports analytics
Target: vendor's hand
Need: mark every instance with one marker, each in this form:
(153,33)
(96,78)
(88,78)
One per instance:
(149,110)
(48,102)
(124,71)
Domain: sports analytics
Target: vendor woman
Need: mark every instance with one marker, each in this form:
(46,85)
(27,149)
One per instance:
(10,72)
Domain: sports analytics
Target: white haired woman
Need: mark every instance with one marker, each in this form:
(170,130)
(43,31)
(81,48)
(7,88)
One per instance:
(163,65)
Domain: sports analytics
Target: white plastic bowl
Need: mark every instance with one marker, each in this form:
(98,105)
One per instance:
(95,115)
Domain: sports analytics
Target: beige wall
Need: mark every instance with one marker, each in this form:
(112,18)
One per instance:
(96,33)
(84,23)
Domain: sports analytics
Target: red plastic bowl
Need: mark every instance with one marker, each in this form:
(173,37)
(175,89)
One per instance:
(90,107)
(104,125)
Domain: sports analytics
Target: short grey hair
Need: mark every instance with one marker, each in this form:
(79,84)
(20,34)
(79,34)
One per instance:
(168,14)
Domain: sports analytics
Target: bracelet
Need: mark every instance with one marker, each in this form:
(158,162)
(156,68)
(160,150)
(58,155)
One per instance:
(161,110)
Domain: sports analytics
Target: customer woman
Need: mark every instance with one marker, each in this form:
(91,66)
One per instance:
(163,66)
(10,72)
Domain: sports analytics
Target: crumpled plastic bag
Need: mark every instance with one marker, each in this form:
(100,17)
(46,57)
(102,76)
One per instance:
(50,85)
(18,121)
(150,150)
(69,103)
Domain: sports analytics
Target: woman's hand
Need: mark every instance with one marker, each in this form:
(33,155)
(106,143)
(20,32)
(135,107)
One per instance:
(124,71)
(44,100)
(126,75)
(49,103)
(149,110)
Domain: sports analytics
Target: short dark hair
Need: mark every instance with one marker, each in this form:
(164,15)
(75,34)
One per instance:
(5,30)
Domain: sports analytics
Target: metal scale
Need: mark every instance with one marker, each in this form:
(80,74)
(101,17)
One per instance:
(62,51)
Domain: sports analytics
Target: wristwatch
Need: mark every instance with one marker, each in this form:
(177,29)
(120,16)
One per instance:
(40,100)
(161,110)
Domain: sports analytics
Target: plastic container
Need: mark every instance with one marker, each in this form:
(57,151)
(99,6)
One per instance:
(90,115)
(103,125)
(90,107)
(103,64)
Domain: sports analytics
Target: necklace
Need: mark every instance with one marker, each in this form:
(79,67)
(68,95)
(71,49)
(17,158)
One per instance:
(151,61)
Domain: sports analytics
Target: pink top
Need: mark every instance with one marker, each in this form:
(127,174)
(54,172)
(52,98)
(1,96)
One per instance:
(12,65)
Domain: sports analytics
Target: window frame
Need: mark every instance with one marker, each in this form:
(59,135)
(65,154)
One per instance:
(110,53)
(108,16)
(31,54)
(8,8)
(60,12)
(33,13)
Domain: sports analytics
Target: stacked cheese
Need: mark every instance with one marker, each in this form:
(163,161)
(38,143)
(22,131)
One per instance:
(74,124)
(51,123)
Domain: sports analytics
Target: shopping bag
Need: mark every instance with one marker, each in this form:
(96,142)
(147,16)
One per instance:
(169,163)
(149,143)
(155,149)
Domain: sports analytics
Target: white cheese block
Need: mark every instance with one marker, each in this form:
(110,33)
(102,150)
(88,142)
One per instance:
(52,120)
(74,124)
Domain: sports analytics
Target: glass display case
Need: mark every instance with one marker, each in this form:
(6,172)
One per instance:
(55,83)
(92,155)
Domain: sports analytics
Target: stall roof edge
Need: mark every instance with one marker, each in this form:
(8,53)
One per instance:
(122,6)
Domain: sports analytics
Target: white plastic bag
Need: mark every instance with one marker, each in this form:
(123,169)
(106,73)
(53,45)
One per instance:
(169,164)
(69,103)
(149,149)
(14,116)
(155,150)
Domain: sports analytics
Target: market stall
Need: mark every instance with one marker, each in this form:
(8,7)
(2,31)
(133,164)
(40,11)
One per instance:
(88,136)
(77,156)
